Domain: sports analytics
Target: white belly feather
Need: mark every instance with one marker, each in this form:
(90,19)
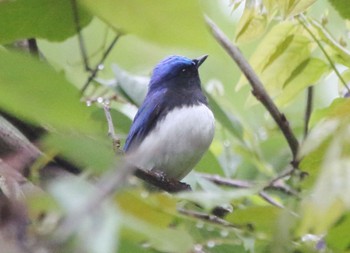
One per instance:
(177,142)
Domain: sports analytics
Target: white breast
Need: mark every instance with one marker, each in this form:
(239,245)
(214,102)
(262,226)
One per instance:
(177,142)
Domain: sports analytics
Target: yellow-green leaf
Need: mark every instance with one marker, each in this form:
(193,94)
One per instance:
(251,25)
(262,218)
(281,50)
(305,74)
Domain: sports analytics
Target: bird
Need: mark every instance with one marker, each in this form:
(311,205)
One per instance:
(174,126)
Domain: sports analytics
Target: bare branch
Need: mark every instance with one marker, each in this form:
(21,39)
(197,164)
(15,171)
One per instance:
(111,133)
(308,109)
(204,216)
(227,181)
(258,89)
(269,199)
(100,64)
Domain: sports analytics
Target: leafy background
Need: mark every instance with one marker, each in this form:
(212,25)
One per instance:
(291,44)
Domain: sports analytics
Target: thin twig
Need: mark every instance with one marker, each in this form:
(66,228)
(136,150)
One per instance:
(206,217)
(258,89)
(111,132)
(308,109)
(100,64)
(216,179)
(274,185)
(269,199)
(80,36)
(303,21)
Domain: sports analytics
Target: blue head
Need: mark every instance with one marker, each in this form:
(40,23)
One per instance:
(177,72)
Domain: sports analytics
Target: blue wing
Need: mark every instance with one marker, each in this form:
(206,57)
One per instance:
(145,119)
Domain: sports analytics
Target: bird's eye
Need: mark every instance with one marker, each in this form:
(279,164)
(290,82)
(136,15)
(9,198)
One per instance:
(183,70)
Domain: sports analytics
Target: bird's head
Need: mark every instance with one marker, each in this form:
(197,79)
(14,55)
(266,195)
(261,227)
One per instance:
(176,71)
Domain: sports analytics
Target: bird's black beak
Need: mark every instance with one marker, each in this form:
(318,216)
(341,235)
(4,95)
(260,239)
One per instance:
(200,60)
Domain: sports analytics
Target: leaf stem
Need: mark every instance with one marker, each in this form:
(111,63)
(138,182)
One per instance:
(304,22)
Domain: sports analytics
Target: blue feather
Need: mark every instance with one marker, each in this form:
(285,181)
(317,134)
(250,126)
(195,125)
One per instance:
(174,84)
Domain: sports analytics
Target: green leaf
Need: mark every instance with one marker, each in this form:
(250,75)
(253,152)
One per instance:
(147,218)
(153,207)
(337,52)
(342,6)
(94,153)
(134,88)
(281,51)
(211,199)
(326,124)
(262,218)
(49,19)
(307,73)
(162,21)
(330,195)
(35,92)
(97,230)
(230,123)
(209,164)
(288,8)
(337,237)
(339,109)
(312,152)
(295,7)
(251,25)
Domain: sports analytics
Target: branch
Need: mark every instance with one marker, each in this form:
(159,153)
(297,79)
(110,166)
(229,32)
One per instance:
(216,179)
(204,216)
(308,109)
(304,22)
(158,179)
(16,149)
(100,64)
(258,89)
(274,185)
(111,133)
(80,37)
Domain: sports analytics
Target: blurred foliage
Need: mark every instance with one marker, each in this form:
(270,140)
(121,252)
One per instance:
(291,44)
(51,20)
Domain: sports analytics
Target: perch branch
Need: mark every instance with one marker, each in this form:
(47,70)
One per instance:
(258,89)
(159,180)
